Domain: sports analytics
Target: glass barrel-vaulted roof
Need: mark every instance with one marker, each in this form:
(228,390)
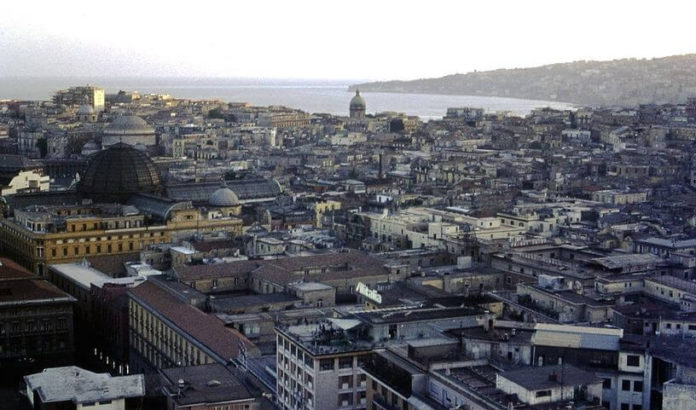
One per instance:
(117,173)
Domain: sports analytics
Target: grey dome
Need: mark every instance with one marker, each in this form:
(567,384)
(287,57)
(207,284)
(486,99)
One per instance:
(128,125)
(357,102)
(223,197)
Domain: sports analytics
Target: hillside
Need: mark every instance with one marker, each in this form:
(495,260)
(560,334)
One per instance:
(598,83)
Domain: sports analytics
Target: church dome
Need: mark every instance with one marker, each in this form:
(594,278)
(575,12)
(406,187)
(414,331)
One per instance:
(117,173)
(357,102)
(223,197)
(128,125)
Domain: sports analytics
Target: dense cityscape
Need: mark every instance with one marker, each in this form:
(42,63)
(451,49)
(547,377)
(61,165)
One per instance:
(160,252)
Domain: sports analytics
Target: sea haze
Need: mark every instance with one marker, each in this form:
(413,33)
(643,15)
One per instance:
(314,96)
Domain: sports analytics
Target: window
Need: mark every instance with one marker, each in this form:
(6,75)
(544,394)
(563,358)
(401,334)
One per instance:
(345,382)
(625,406)
(326,364)
(345,399)
(345,363)
(543,393)
(606,384)
(626,385)
(637,407)
(637,386)
(633,360)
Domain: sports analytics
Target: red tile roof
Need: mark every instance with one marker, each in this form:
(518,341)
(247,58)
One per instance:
(206,329)
(30,290)
(341,265)
(10,269)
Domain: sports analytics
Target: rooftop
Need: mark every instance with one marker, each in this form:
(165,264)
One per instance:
(669,243)
(206,329)
(385,316)
(210,383)
(71,383)
(675,282)
(623,261)
(84,275)
(30,291)
(549,377)
(225,303)
(337,265)
(10,269)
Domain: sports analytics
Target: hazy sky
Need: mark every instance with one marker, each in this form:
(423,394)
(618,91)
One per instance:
(329,39)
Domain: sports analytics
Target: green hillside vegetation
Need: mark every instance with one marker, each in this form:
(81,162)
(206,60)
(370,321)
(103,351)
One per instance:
(597,83)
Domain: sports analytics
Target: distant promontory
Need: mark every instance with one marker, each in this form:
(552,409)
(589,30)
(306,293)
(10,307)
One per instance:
(596,83)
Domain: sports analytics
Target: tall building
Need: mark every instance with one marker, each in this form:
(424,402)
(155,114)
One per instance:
(357,106)
(166,331)
(319,367)
(36,318)
(94,96)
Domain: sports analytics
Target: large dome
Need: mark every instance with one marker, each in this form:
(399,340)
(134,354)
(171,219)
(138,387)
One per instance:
(117,173)
(357,102)
(128,125)
(129,129)
(223,197)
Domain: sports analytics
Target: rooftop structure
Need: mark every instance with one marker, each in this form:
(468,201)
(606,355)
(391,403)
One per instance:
(81,387)
(205,385)
(246,191)
(118,173)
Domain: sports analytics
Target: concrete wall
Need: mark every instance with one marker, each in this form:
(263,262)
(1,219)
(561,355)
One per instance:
(676,396)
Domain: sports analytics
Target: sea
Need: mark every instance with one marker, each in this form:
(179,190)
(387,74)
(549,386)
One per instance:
(313,96)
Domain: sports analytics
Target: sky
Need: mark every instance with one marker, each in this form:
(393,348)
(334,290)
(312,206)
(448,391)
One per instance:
(329,39)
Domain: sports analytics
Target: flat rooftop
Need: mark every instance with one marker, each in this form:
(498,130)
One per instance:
(77,385)
(84,276)
(210,383)
(387,316)
(549,377)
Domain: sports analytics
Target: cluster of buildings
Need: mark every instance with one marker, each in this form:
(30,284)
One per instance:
(170,253)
